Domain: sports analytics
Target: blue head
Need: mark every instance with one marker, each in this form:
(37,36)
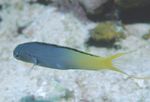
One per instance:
(23,52)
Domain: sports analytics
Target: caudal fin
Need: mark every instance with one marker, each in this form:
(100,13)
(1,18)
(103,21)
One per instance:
(114,68)
(110,65)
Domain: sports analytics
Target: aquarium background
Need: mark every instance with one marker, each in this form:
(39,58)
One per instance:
(98,27)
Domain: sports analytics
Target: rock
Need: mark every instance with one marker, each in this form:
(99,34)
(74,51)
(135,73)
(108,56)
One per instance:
(92,5)
(133,11)
(44,2)
(81,8)
(127,4)
(100,10)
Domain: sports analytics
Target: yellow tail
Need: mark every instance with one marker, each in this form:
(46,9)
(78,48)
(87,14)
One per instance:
(110,66)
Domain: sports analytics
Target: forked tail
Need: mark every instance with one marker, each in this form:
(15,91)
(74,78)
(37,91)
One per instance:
(112,67)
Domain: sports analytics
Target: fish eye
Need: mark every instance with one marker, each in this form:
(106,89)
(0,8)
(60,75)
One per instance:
(16,55)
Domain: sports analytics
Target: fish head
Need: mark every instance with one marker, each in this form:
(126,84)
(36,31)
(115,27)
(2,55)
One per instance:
(22,52)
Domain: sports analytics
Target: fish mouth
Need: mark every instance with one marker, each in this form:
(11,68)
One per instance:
(17,51)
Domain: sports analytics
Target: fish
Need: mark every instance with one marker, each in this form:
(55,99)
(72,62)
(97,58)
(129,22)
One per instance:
(64,58)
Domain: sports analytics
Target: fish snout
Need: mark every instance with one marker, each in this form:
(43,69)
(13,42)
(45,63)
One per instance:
(17,51)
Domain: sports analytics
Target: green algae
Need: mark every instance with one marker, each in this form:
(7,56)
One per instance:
(107,34)
(146,36)
(107,31)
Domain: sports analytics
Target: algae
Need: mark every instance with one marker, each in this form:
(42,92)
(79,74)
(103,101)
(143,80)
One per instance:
(107,33)
(146,36)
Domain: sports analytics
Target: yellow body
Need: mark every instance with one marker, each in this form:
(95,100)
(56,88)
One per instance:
(98,63)
(89,62)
